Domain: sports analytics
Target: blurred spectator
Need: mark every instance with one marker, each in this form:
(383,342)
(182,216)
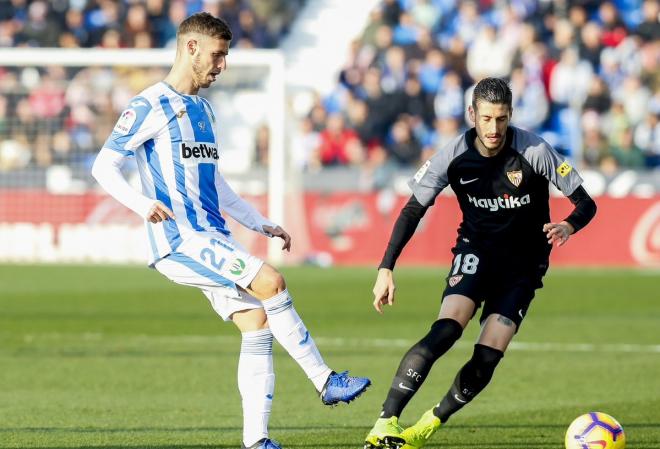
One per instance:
(570,79)
(339,145)
(649,29)
(489,56)
(647,138)
(595,148)
(39,30)
(530,105)
(304,144)
(590,44)
(261,145)
(449,99)
(402,147)
(614,30)
(598,97)
(627,154)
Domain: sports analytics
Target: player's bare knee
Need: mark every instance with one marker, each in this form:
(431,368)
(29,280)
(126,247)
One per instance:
(250,320)
(268,283)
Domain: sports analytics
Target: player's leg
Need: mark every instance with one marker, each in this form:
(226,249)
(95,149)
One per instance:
(255,368)
(496,334)
(501,318)
(288,328)
(455,312)
(256,378)
(469,382)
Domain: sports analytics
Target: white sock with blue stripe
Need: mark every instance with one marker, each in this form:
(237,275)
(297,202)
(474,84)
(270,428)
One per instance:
(291,333)
(256,382)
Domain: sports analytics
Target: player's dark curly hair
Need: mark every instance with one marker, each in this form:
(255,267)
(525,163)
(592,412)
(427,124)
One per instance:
(491,90)
(206,24)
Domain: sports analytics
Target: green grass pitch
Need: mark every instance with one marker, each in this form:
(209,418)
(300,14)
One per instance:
(119,357)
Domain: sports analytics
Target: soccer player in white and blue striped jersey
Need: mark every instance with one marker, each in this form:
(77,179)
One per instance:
(171,133)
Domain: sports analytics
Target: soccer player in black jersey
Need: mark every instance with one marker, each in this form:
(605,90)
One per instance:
(500,175)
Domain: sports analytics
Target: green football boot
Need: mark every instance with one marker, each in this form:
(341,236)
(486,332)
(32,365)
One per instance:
(386,434)
(419,433)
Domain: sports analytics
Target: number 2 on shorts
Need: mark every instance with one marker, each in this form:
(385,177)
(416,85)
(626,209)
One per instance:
(208,252)
(469,265)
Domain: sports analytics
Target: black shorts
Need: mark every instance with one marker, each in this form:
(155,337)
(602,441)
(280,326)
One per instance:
(502,285)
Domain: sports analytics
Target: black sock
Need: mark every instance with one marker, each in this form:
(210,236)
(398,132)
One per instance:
(417,363)
(470,381)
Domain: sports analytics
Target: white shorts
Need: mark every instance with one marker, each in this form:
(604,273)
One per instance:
(216,264)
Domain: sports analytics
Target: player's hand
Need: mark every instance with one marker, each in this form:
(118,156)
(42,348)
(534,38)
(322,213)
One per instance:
(558,233)
(159,212)
(281,233)
(384,289)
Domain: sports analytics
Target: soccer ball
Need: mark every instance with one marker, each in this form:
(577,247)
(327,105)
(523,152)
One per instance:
(595,430)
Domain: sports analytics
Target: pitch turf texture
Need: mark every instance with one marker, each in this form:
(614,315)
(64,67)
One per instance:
(119,357)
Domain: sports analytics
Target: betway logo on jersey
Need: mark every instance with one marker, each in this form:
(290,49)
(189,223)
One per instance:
(198,152)
(501,202)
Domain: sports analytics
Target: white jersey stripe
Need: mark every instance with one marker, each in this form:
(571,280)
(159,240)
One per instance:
(179,171)
(170,228)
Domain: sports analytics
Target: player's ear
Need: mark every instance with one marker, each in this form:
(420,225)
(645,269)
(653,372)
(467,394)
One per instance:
(191,46)
(472,115)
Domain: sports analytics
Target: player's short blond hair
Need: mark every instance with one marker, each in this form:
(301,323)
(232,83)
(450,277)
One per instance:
(205,24)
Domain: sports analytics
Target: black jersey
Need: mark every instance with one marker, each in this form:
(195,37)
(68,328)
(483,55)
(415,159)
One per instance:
(504,198)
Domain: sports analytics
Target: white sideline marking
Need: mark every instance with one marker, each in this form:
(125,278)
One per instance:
(340,342)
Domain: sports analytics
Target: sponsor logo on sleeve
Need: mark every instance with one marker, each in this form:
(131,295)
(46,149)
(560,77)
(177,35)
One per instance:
(564,169)
(126,121)
(422,171)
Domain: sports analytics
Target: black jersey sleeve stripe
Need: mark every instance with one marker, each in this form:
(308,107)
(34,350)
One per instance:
(585,209)
(404,228)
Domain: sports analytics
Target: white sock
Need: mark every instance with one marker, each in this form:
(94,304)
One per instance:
(256,382)
(291,333)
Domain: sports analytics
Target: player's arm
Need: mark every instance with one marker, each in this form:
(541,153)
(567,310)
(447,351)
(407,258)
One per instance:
(244,213)
(427,183)
(547,161)
(584,211)
(404,228)
(107,172)
(134,127)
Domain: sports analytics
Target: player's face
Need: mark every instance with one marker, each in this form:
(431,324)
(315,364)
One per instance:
(209,60)
(491,121)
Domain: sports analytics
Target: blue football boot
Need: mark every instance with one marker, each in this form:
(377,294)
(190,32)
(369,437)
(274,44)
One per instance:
(340,387)
(264,443)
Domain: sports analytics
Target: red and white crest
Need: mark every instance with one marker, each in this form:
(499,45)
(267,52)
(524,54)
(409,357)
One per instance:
(515,177)
(455,280)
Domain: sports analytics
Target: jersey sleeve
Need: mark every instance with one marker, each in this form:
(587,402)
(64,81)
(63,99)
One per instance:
(432,177)
(133,128)
(546,161)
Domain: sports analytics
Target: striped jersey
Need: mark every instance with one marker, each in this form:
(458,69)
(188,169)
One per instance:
(173,139)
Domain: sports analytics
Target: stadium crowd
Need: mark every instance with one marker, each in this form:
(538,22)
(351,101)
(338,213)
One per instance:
(584,74)
(59,115)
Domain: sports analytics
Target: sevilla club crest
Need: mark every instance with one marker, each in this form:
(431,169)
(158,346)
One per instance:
(455,280)
(515,177)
